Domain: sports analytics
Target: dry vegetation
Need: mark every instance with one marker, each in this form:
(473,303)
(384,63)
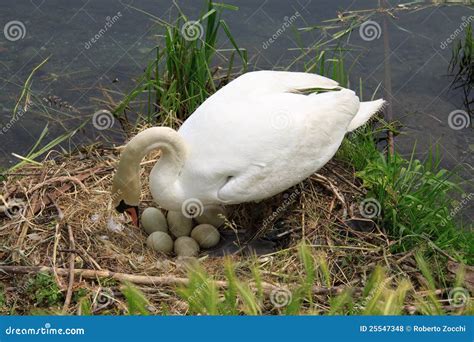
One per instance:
(66,225)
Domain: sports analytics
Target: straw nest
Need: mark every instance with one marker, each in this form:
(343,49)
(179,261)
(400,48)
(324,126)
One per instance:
(61,221)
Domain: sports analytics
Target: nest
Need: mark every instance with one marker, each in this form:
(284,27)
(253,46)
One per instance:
(57,217)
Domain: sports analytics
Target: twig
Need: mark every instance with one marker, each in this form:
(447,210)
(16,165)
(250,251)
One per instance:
(62,179)
(63,189)
(30,213)
(331,187)
(342,178)
(57,237)
(146,280)
(72,258)
(89,256)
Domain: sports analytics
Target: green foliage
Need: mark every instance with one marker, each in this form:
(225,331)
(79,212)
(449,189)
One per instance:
(432,306)
(329,63)
(85,306)
(180,78)
(136,300)
(26,90)
(379,298)
(79,294)
(382,294)
(3,299)
(415,197)
(44,290)
(108,282)
(203,297)
(462,67)
(341,304)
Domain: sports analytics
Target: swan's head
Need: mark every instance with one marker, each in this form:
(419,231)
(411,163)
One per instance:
(126,187)
(126,191)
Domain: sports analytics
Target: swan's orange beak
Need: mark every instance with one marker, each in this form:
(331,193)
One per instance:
(133,213)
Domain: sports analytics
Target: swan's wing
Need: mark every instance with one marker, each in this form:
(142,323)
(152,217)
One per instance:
(252,147)
(268,82)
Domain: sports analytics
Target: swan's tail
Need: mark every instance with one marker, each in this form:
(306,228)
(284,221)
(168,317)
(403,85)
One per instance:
(366,111)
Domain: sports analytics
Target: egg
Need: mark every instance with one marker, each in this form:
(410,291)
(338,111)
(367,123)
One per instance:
(179,225)
(185,246)
(160,242)
(213,215)
(153,220)
(206,235)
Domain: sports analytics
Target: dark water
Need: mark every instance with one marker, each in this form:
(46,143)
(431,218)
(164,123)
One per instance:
(77,69)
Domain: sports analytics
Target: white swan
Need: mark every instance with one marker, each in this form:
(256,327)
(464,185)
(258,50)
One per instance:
(254,138)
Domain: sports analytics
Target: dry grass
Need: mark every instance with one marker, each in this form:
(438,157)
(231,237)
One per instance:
(67,204)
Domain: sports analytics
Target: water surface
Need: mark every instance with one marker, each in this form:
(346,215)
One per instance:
(78,68)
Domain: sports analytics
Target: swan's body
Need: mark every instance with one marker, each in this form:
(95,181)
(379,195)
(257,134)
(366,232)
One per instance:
(254,138)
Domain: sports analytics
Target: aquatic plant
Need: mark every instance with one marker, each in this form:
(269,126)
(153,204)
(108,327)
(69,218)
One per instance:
(461,67)
(414,198)
(182,74)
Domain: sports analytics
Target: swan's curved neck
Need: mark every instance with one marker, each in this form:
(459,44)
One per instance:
(166,171)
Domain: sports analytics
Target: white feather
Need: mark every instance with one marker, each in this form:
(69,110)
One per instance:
(252,139)
(365,112)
